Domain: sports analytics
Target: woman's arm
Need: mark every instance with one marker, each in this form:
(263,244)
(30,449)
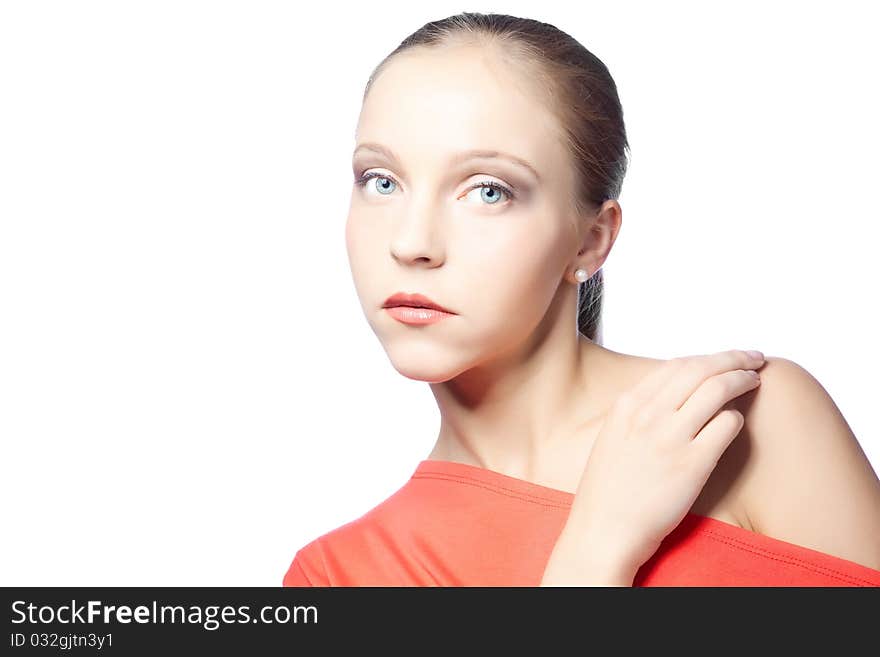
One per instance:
(570,564)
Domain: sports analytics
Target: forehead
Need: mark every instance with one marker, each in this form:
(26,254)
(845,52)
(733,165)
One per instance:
(456,99)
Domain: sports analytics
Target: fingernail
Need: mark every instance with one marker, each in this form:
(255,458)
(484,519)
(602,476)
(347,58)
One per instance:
(754,353)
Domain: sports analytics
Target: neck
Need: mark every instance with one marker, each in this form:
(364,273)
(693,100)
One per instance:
(519,412)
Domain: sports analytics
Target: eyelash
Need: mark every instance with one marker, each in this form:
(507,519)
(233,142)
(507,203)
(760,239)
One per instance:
(487,183)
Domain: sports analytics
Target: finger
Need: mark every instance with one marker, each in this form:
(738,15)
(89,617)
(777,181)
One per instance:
(714,438)
(709,398)
(646,389)
(689,374)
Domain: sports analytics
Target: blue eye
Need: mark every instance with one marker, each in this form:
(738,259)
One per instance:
(380,186)
(491,191)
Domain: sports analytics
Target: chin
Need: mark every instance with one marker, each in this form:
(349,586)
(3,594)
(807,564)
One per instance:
(425,377)
(426,370)
(426,363)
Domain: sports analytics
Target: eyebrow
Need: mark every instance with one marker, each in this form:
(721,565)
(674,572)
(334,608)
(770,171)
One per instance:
(458,158)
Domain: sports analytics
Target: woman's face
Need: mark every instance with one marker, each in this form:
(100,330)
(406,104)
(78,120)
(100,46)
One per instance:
(424,225)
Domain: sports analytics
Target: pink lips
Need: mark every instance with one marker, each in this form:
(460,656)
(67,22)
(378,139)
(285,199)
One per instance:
(417,316)
(415,300)
(415,309)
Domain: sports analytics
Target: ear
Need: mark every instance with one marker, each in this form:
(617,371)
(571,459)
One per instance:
(598,233)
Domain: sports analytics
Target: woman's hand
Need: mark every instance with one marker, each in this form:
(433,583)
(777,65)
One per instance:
(653,455)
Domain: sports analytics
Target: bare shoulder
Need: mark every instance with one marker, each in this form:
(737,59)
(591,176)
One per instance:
(801,474)
(795,472)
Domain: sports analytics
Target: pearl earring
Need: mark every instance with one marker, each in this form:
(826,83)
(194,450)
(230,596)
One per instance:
(581,275)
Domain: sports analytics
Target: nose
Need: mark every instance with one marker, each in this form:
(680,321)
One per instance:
(416,238)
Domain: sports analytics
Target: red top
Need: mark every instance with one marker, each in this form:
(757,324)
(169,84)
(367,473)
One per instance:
(454,524)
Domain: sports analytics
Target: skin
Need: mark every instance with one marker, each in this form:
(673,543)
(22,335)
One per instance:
(519,390)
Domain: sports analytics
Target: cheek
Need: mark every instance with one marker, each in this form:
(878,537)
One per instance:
(358,241)
(349,233)
(359,257)
(514,280)
(525,252)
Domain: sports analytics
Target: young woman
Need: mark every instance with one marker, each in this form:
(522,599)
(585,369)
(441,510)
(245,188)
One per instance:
(490,151)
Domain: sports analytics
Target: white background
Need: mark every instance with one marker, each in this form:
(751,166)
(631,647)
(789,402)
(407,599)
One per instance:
(189,392)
